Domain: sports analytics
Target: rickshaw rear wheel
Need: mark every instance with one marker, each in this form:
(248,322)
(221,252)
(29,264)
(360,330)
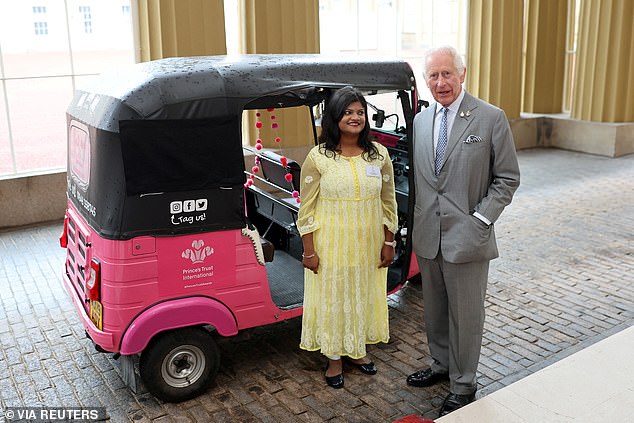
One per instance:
(180,364)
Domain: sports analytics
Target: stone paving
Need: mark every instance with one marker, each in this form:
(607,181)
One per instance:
(565,279)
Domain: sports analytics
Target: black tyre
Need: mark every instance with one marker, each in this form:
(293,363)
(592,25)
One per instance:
(180,364)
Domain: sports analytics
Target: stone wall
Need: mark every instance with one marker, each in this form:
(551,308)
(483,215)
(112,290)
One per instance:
(559,131)
(27,200)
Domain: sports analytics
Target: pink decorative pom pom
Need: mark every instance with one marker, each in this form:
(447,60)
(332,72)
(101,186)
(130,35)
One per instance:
(258,125)
(274,125)
(270,109)
(259,140)
(288,177)
(297,199)
(277,139)
(258,114)
(252,176)
(284,161)
(272,117)
(295,194)
(255,169)
(258,146)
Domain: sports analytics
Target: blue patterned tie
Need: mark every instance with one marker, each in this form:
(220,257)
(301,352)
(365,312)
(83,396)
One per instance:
(442,141)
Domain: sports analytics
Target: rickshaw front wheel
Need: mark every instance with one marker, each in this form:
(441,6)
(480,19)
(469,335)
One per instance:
(180,364)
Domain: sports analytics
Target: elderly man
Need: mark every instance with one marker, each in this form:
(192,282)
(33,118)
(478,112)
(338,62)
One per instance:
(466,172)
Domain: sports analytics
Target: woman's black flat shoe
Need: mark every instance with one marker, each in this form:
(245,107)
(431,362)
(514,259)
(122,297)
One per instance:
(367,368)
(335,381)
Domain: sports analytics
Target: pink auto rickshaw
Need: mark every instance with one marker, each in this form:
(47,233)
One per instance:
(179,228)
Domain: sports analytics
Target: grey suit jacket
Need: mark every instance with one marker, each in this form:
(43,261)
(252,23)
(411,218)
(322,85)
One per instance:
(479,173)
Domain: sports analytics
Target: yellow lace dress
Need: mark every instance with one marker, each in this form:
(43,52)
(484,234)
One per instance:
(346,201)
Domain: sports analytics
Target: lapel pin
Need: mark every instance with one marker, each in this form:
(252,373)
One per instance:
(468,113)
(461,114)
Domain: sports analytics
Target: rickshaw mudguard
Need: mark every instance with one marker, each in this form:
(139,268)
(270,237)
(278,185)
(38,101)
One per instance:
(175,314)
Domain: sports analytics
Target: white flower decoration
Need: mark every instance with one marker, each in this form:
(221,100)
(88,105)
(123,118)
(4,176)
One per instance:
(308,179)
(310,219)
(386,178)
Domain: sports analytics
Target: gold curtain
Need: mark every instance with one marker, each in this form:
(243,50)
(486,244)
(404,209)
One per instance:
(544,64)
(276,27)
(170,28)
(494,53)
(603,84)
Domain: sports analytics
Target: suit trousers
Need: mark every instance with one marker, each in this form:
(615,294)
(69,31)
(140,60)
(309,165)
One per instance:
(453,296)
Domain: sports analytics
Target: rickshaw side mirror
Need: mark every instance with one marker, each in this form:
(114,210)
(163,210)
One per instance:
(379,118)
(422,103)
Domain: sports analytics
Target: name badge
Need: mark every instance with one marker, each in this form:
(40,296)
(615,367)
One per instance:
(373,171)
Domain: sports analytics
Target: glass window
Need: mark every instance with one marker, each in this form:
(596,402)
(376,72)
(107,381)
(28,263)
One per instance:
(41,28)
(47,50)
(572,35)
(392,28)
(6,150)
(79,157)
(85,12)
(232,26)
(40,25)
(38,123)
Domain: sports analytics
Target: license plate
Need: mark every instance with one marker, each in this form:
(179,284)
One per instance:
(96,314)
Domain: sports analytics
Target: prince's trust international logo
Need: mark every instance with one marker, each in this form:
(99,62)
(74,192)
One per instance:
(198,273)
(198,252)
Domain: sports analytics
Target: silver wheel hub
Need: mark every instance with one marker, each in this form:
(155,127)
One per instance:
(183,366)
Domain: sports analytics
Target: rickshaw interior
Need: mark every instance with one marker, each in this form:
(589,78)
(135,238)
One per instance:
(273,179)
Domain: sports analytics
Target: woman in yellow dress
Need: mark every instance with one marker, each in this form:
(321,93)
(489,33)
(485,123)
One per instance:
(347,220)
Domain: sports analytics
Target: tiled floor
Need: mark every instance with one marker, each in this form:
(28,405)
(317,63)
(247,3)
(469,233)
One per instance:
(595,384)
(564,284)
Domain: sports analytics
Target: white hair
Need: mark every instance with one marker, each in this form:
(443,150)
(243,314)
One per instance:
(457,58)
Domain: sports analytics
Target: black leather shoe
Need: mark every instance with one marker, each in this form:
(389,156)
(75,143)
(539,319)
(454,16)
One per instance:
(334,381)
(426,377)
(454,402)
(367,368)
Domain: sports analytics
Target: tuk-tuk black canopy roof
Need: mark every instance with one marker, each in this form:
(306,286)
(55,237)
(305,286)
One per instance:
(209,86)
(151,135)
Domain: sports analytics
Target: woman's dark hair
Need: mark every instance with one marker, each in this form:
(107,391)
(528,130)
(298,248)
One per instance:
(335,108)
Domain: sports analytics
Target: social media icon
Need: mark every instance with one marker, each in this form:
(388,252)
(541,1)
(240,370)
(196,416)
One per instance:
(176,207)
(201,204)
(189,205)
